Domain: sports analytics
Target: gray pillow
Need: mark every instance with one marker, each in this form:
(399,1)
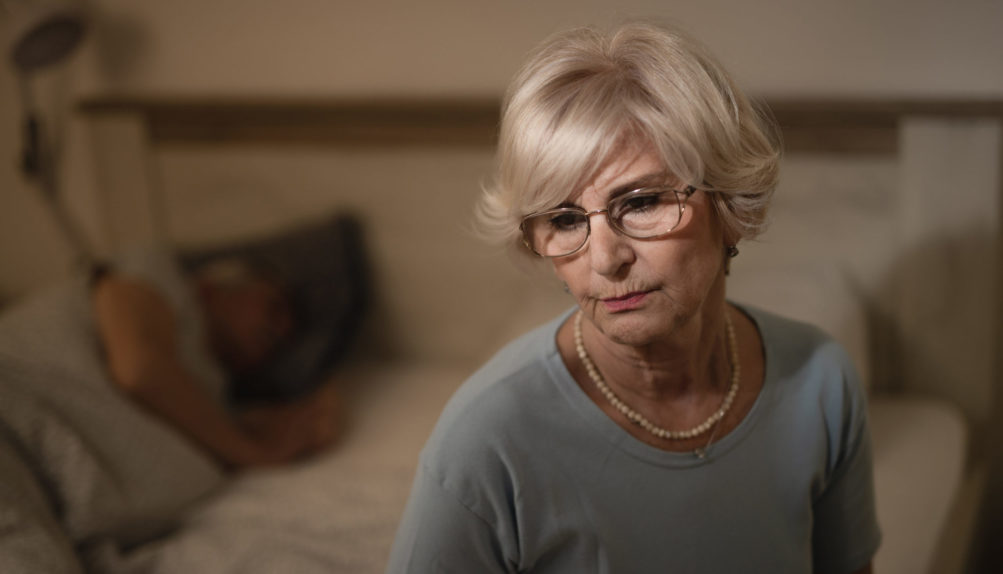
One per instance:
(31,538)
(110,469)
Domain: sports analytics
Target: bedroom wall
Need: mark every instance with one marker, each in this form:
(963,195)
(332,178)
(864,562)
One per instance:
(397,47)
(450,46)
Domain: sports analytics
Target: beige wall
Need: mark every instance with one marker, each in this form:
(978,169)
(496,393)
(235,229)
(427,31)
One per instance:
(458,47)
(785,46)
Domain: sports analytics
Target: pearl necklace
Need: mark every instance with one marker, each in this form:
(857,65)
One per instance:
(637,418)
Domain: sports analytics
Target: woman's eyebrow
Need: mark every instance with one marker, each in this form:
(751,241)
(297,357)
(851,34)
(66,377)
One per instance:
(651,179)
(647,180)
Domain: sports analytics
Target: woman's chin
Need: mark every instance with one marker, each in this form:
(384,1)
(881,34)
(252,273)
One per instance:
(632,328)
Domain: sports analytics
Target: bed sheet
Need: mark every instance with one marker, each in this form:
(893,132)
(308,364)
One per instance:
(335,513)
(920,469)
(338,513)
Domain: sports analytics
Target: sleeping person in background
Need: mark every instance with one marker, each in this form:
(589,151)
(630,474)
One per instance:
(116,416)
(161,334)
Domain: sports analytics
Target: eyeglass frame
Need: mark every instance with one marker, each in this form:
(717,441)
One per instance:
(686,192)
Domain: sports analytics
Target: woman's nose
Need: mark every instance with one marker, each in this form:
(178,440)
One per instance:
(610,251)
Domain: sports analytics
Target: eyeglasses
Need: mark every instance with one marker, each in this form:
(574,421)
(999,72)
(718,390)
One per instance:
(643,213)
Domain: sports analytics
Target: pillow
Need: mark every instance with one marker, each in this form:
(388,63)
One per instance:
(325,271)
(31,538)
(111,473)
(106,464)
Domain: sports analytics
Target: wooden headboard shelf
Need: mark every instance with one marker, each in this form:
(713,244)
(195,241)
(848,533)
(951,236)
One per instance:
(342,122)
(808,125)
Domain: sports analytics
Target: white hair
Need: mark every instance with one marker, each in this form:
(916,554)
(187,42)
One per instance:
(584,96)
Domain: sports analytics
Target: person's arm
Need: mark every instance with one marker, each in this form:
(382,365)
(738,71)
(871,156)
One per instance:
(137,329)
(845,528)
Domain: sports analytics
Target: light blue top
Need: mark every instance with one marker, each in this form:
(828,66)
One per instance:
(524,473)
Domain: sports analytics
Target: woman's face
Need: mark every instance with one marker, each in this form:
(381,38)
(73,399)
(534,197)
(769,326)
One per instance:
(639,291)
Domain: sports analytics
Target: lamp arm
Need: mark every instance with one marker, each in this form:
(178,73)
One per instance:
(38,166)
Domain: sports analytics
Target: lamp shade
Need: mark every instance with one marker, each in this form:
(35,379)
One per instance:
(44,33)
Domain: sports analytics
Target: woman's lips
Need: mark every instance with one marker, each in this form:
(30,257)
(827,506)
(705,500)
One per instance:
(625,303)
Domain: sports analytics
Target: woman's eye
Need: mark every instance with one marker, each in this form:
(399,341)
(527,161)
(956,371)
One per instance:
(565,221)
(641,202)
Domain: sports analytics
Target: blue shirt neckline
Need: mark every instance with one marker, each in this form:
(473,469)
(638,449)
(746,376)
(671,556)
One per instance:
(619,438)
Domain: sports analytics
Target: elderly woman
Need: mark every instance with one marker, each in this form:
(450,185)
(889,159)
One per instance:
(655,427)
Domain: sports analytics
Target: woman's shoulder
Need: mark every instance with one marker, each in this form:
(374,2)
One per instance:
(507,376)
(804,356)
(525,357)
(786,339)
(805,363)
(494,407)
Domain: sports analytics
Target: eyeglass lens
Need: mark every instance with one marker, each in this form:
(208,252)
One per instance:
(640,214)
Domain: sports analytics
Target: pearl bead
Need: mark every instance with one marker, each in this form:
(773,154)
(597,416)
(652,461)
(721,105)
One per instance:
(639,419)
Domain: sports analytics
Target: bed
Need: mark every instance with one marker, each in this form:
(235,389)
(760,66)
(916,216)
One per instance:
(859,216)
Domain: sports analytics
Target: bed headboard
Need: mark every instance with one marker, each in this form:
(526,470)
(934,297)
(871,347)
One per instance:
(898,201)
(809,125)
